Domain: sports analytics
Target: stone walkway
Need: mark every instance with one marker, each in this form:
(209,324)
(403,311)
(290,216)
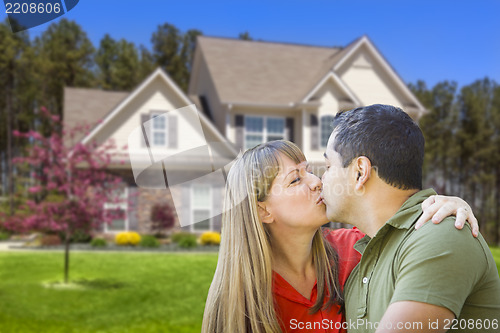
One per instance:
(6,246)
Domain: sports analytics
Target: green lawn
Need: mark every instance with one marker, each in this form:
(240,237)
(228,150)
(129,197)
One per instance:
(496,255)
(125,292)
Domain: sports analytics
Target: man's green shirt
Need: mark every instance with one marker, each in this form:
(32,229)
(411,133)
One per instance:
(436,264)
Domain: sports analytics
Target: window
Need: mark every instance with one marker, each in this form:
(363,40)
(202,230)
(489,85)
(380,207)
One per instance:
(326,129)
(119,208)
(201,208)
(159,129)
(263,129)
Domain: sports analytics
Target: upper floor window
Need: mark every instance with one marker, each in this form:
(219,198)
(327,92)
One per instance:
(263,129)
(326,129)
(159,125)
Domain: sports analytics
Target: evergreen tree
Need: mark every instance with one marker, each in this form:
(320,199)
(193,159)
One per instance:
(173,51)
(118,64)
(245,36)
(18,92)
(66,54)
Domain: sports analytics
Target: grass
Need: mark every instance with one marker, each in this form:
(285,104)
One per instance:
(112,292)
(496,256)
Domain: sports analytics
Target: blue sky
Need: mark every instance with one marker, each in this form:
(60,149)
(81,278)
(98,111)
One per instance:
(428,40)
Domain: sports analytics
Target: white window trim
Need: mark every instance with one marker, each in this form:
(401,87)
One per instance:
(122,205)
(209,208)
(264,132)
(153,130)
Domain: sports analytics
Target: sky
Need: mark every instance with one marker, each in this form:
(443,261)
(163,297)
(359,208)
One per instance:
(423,40)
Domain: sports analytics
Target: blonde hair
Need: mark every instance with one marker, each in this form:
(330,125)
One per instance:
(240,298)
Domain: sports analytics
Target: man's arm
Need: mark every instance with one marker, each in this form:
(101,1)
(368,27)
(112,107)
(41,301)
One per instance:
(409,316)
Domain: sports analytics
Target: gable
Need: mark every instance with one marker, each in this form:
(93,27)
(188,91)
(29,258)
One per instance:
(158,95)
(155,98)
(373,80)
(332,93)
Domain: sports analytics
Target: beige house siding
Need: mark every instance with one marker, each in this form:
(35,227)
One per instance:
(369,81)
(204,86)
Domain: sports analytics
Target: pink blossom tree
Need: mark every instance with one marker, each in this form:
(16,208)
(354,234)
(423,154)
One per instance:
(75,173)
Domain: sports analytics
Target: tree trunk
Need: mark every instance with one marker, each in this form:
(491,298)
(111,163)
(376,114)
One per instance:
(496,223)
(10,180)
(66,257)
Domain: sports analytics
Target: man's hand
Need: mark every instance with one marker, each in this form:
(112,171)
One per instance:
(412,317)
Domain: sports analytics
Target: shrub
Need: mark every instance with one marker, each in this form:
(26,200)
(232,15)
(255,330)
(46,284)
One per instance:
(50,240)
(81,236)
(127,238)
(4,235)
(149,241)
(184,239)
(179,235)
(210,238)
(188,241)
(78,236)
(98,242)
(162,218)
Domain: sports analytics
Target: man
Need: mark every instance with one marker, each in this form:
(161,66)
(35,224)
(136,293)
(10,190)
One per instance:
(432,279)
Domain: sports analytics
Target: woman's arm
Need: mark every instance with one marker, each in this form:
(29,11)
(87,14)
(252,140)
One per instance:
(437,207)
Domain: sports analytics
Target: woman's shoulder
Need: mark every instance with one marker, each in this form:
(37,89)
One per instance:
(343,240)
(340,238)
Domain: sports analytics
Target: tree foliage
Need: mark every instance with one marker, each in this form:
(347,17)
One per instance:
(462,131)
(173,51)
(76,178)
(118,63)
(66,59)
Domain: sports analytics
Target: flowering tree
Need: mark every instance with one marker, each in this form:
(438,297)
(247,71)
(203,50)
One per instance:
(75,174)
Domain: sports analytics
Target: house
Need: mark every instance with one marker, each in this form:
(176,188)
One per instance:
(246,92)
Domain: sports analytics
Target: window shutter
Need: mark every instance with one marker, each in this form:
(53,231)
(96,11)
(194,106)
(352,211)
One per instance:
(289,135)
(239,124)
(186,205)
(314,132)
(217,202)
(133,199)
(172,131)
(146,129)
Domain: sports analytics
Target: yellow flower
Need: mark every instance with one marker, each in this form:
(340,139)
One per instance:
(210,238)
(127,238)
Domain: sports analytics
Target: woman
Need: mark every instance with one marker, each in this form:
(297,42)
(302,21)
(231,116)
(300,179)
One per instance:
(276,264)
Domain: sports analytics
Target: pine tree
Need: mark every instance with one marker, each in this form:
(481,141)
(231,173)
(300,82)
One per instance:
(66,54)
(118,64)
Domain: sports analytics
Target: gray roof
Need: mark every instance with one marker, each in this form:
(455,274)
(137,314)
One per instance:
(270,73)
(243,72)
(84,106)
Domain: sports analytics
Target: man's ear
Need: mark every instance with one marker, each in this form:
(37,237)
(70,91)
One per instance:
(264,215)
(362,170)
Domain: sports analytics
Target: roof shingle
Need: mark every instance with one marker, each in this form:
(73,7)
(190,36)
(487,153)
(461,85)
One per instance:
(271,73)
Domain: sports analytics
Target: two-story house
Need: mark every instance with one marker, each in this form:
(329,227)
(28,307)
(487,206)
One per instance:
(246,92)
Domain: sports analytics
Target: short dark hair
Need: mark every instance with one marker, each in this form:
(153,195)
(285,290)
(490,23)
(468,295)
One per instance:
(388,137)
